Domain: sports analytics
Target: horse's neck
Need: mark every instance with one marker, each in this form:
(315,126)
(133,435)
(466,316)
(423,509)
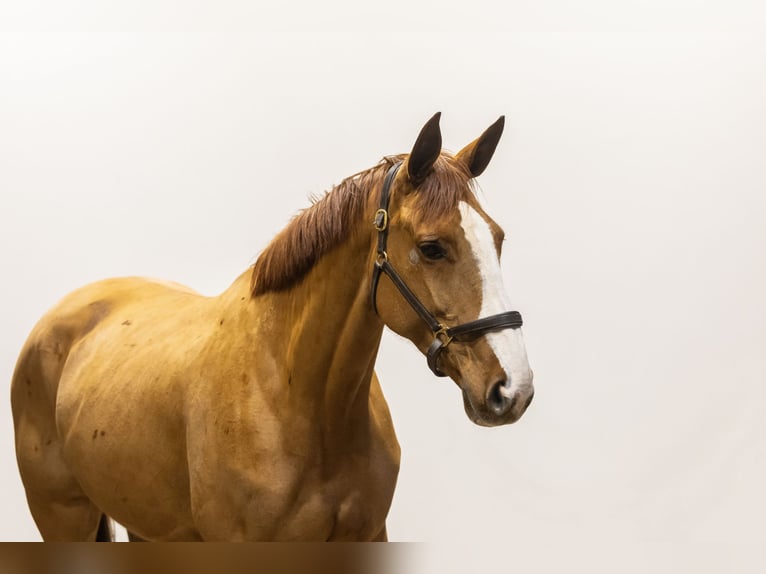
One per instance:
(320,338)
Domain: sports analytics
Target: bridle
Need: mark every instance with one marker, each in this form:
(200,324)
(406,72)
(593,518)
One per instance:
(443,335)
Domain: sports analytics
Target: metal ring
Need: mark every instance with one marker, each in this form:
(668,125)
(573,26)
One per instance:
(381,259)
(443,335)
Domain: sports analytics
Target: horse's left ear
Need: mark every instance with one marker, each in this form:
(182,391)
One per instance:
(426,150)
(476,155)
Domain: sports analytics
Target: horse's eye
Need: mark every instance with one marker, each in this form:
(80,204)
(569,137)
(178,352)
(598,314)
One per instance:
(432,250)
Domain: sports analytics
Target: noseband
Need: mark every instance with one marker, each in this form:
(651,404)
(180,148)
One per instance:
(443,335)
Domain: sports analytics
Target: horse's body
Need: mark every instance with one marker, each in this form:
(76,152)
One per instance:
(254,415)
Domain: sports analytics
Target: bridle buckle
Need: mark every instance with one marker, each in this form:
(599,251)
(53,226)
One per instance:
(381,220)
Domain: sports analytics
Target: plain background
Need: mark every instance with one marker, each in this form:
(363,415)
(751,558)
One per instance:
(174,139)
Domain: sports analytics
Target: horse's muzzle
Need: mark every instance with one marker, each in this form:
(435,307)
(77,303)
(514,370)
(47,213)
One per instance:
(504,403)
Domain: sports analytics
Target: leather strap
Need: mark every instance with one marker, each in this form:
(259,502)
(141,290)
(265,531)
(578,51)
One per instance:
(432,356)
(475,329)
(381,224)
(469,332)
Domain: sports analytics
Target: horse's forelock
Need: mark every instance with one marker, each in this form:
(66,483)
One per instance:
(440,193)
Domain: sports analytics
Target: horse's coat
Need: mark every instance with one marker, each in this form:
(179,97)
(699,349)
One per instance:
(256,415)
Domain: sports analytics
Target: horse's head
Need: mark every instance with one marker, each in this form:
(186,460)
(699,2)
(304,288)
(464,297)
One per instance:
(441,252)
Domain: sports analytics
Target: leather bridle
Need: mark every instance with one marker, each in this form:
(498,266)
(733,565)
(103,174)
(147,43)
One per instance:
(443,335)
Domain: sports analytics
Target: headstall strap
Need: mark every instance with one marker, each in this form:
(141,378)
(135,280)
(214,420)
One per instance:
(443,336)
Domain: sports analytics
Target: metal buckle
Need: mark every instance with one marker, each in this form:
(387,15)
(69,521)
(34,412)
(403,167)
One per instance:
(381,220)
(442,335)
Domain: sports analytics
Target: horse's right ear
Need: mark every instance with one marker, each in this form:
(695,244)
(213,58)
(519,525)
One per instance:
(427,148)
(476,155)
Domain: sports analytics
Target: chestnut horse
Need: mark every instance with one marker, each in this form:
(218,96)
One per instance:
(256,414)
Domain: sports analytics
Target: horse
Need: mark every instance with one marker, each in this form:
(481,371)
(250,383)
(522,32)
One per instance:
(257,415)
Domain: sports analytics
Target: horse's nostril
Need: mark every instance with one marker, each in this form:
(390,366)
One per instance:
(495,396)
(498,400)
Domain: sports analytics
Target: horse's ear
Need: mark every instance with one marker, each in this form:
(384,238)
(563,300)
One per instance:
(427,148)
(476,155)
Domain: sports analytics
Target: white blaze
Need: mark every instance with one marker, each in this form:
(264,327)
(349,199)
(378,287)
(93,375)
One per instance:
(508,344)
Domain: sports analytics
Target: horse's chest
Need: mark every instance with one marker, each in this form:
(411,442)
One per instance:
(293,499)
(288,485)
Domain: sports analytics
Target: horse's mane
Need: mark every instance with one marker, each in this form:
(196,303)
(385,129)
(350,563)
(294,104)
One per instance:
(328,222)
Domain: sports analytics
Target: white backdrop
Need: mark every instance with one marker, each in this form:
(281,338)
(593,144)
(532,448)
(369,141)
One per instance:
(174,139)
